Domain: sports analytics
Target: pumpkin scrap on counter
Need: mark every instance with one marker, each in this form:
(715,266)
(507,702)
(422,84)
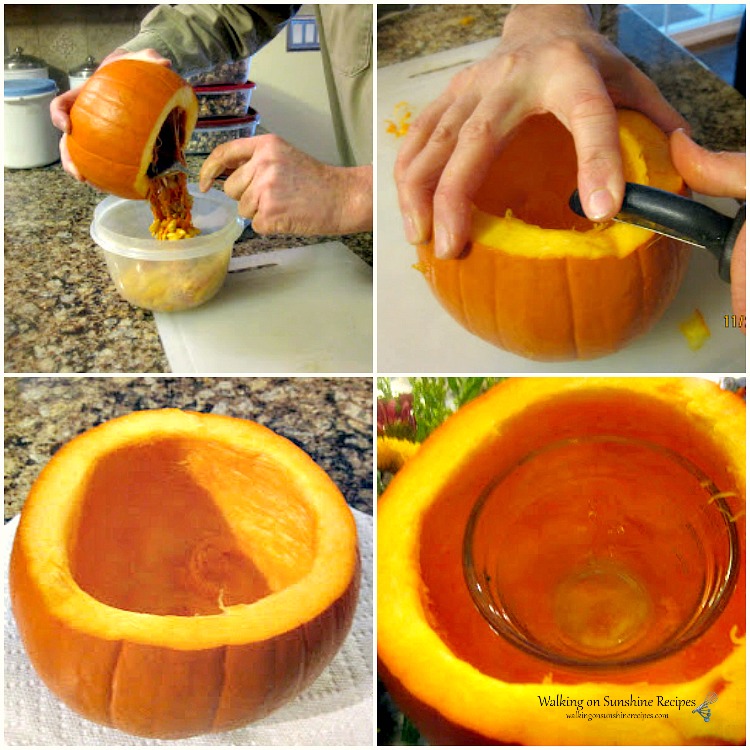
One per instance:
(399,125)
(431,635)
(544,283)
(131,120)
(695,330)
(177,573)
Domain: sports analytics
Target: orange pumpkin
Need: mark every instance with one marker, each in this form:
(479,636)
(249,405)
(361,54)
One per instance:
(463,683)
(130,119)
(541,282)
(177,573)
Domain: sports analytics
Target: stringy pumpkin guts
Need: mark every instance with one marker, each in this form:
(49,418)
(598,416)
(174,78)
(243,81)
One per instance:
(171,204)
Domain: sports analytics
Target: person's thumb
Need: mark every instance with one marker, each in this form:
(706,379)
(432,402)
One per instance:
(720,174)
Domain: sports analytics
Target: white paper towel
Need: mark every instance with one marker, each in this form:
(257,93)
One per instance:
(336,710)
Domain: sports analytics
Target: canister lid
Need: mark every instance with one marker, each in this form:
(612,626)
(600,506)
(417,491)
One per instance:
(29,87)
(85,69)
(19,61)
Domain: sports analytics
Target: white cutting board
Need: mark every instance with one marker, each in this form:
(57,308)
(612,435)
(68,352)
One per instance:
(415,334)
(298,310)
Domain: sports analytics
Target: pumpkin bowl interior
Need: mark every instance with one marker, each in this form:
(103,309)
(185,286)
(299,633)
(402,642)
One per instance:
(430,634)
(178,573)
(540,281)
(131,119)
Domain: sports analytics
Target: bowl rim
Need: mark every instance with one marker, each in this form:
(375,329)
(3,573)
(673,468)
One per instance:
(139,248)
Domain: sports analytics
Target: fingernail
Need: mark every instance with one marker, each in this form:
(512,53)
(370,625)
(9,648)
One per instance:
(410,230)
(600,204)
(443,242)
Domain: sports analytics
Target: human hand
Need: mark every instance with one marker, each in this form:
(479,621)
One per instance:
(60,106)
(285,191)
(550,59)
(722,175)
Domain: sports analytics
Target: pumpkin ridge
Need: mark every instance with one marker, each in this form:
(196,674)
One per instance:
(220,693)
(641,264)
(462,294)
(112,684)
(574,333)
(495,303)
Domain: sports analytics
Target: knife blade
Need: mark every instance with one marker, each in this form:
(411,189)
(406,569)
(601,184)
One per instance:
(679,217)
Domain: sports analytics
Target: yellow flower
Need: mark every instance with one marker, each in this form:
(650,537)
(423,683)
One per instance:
(393,453)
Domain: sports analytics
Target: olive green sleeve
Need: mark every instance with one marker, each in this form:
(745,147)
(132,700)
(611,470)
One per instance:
(198,37)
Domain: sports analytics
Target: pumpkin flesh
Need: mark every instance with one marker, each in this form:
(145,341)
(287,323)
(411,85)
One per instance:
(544,283)
(429,632)
(175,573)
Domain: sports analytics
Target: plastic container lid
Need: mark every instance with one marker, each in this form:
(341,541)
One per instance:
(121,226)
(227,122)
(21,87)
(224,88)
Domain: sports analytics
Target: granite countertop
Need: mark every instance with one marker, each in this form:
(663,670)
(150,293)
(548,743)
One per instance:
(62,312)
(715,110)
(329,418)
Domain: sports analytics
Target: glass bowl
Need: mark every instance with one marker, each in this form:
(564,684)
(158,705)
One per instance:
(601,551)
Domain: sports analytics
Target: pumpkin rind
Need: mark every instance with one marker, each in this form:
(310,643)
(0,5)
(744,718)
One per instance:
(175,676)
(562,294)
(116,119)
(417,660)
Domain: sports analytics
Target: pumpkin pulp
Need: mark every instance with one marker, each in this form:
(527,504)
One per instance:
(171,203)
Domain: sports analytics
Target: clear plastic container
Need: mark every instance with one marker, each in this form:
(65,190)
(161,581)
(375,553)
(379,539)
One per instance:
(235,71)
(224,101)
(208,134)
(161,275)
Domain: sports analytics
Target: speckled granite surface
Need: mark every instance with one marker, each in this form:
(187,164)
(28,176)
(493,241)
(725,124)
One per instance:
(329,418)
(715,110)
(62,312)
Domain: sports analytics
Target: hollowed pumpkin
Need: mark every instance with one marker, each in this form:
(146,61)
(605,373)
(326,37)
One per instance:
(541,282)
(461,682)
(131,119)
(177,573)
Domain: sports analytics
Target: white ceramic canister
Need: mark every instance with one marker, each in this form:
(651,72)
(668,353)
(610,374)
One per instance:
(30,138)
(81,73)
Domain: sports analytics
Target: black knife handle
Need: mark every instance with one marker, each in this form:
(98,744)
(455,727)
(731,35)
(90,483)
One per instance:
(679,216)
(725,258)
